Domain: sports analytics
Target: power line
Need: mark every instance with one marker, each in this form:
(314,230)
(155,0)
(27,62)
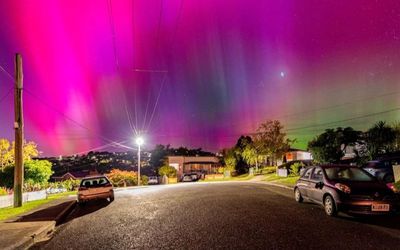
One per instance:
(339,105)
(113,37)
(8,74)
(344,120)
(7,94)
(156,104)
(73,121)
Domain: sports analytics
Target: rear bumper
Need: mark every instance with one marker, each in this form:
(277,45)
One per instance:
(89,197)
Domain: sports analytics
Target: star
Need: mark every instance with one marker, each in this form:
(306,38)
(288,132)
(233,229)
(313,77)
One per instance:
(282,74)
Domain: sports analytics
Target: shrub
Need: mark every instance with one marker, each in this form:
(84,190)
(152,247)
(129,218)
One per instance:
(144,180)
(121,178)
(295,169)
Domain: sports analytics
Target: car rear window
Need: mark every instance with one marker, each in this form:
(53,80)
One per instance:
(94,182)
(348,174)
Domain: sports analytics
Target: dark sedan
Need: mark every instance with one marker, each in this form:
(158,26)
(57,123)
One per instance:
(346,188)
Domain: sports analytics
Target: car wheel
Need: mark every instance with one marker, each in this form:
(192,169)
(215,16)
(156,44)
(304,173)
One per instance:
(297,196)
(111,198)
(330,206)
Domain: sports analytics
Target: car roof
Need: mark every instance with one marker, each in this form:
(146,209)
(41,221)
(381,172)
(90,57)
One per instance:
(94,177)
(333,166)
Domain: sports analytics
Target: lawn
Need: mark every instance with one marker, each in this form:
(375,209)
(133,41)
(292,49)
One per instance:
(243,177)
(9,212)
(288,181)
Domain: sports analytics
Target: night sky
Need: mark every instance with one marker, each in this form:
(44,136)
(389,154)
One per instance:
(196,73)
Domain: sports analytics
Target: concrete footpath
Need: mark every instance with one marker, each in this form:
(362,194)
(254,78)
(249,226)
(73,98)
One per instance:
(35,226)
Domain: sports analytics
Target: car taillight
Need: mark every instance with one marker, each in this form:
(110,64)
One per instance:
(392,187)
(344,188)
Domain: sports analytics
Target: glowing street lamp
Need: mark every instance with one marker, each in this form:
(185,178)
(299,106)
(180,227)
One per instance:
(139,141)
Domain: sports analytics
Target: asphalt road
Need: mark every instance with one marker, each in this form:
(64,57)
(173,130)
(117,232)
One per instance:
(239,215)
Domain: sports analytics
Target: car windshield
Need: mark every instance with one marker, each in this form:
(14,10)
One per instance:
(94,182)
(348,174)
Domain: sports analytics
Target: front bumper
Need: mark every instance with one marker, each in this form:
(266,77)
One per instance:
(364,207)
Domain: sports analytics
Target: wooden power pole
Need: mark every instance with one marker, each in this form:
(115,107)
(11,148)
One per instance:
(19,133)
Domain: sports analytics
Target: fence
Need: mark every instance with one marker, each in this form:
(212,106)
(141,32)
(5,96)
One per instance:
(8,200)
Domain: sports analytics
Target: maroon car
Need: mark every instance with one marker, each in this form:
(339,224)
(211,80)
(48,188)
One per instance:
(346,188)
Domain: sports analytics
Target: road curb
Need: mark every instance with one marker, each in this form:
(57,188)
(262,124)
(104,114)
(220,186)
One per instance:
(64,213)
(272,184)
(43,233)
(128,188)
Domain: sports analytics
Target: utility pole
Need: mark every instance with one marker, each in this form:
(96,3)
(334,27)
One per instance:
(19,133)
(138,169)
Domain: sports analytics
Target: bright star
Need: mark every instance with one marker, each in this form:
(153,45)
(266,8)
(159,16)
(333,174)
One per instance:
(282,74)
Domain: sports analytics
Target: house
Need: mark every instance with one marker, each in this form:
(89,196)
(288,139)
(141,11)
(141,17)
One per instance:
(74,175)
(190,164)
(297,155)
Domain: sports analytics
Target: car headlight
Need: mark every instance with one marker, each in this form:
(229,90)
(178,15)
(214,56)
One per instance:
(392,187)
(344,188)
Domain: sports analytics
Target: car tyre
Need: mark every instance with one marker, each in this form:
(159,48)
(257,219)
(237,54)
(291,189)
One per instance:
(297,196)
(330,206)
(111,198)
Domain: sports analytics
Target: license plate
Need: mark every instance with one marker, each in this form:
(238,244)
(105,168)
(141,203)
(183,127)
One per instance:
(380,207)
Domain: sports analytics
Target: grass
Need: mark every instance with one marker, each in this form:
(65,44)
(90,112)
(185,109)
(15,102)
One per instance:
(9,212)
(288,181)
(243,177)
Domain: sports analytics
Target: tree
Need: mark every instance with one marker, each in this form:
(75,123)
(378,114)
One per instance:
(158,155)
(380,139)
(7,152)
(35,172)
(229,159)
(252,156)
(331,145)
(271,141)
(167,170)
(241,165)
(38,171)
(396,128)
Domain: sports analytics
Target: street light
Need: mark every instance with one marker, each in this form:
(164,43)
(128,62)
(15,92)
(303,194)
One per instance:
(139,141)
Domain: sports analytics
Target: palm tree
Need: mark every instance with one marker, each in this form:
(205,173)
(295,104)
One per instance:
(380,139)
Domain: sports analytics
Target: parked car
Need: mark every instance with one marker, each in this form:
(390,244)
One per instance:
(187,178)
(95,187)
(195,176)
(346,188)
(382,168)
(152,180)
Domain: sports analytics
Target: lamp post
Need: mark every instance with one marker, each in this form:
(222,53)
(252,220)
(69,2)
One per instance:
(139,142)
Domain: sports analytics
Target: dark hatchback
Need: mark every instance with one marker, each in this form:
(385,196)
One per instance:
(347,189)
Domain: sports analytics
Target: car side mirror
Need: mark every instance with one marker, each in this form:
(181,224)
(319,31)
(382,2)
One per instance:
(319,184)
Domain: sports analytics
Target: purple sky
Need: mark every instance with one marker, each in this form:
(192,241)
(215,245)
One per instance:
(217,68)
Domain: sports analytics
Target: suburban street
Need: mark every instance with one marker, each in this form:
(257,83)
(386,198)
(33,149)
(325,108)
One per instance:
(234,215)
